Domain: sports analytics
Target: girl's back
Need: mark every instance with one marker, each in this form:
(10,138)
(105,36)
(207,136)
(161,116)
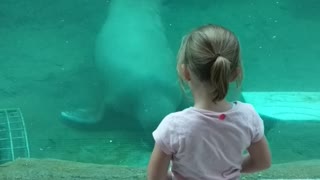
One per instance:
(207,144)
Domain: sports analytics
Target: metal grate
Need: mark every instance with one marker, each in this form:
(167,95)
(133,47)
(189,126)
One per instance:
(13,136)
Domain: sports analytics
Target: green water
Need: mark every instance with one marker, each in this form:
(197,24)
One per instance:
(47,66)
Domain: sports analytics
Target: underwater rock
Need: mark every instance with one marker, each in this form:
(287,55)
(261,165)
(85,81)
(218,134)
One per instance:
(269,123)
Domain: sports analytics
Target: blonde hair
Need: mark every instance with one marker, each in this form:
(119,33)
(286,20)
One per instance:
(212,53)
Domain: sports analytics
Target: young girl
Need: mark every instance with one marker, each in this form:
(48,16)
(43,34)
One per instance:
(207,141)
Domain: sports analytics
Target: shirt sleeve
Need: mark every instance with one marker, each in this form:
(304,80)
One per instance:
(257,127)
(166,136)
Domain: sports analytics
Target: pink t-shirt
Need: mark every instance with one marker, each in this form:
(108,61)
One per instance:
(205,147)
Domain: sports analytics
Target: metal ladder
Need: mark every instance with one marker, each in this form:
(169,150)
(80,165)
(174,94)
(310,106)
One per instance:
(13,136)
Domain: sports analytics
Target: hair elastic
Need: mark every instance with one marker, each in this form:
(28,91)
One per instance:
(215,57)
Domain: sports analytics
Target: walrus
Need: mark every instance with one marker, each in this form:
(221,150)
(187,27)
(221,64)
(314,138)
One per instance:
(137,67)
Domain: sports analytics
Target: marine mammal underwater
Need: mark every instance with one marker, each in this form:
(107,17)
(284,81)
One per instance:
(137,66)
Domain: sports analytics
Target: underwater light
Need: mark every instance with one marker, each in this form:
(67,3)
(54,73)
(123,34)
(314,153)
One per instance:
(286,106)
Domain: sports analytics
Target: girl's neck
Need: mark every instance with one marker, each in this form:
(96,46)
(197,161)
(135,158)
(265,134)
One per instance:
(220,106)
(203,98)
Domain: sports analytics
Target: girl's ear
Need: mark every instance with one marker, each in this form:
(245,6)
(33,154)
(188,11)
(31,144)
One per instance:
(185,72)
(235,74)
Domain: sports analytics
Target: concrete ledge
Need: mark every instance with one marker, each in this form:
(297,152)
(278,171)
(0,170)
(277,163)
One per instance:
(286,106)
(51,169)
